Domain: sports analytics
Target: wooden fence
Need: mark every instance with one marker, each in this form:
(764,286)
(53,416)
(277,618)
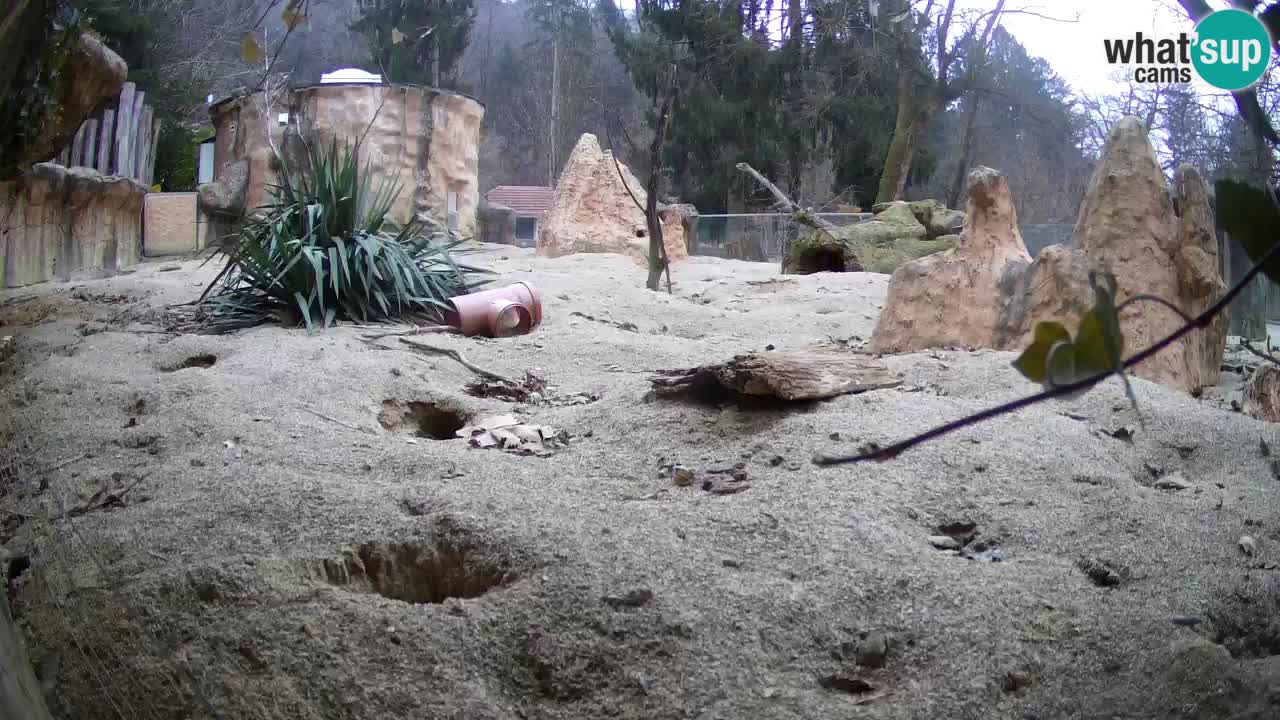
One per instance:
(118,139)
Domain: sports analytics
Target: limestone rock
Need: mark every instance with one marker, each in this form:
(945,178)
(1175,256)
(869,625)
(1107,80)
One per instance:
(936,218)
(226,196)
(1155,241)
(1262,394)
(427,139)
(1129,225)
(958,298)
(593,211)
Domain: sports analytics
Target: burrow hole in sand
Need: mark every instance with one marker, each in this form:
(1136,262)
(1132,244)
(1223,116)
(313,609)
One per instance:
(416,572)
(821,259)
(203,361)
(422,418)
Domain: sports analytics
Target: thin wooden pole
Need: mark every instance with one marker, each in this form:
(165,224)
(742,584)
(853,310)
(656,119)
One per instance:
(77,148)
(106,141)
(121,164)
(91,143)
(135,144)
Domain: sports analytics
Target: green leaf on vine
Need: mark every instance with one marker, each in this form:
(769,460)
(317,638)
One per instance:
(1248,214)
(1053,358)
(1033,363)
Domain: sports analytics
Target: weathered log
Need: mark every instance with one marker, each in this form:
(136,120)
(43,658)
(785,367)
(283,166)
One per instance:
(792,376)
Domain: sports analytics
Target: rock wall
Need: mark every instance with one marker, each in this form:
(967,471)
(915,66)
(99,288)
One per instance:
(594,213)
(90,74)
(428,139)
(245,129)
(1155,240)
(58,223)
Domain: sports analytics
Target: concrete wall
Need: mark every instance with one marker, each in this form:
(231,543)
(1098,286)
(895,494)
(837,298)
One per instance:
(58,223)
(429,139)
(172,225)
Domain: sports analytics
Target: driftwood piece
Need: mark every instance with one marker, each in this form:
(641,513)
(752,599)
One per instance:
(792,376)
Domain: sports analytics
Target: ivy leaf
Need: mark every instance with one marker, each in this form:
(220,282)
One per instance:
(250,50)
(1248,215)
(1055,359)
(1033,363)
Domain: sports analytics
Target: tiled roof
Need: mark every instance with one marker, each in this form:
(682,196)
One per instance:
(526,200)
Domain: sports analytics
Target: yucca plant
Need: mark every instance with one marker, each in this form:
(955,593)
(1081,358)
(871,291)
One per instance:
(321,251)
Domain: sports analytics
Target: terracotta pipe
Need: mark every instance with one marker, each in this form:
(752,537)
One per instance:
(501,312)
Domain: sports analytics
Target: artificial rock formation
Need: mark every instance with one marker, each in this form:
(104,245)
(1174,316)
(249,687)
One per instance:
(959,297)
(593,211)
(1155,241)
(90,74)
(425,138)
(894,236)
(61,223)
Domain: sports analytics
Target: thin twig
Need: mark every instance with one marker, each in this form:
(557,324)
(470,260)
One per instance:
(1268,356)
(458,357)
(68,461)
(336,421)
(1199,322)
(448,329)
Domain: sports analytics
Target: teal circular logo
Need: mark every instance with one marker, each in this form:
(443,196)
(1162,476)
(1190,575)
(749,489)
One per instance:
(1232,49)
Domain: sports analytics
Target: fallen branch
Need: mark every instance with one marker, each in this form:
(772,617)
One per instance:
(802,216)
(458,357)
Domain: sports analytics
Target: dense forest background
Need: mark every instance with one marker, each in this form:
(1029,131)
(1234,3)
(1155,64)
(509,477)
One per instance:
(837,100)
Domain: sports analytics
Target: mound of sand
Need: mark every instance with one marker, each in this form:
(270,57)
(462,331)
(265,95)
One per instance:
(264,525)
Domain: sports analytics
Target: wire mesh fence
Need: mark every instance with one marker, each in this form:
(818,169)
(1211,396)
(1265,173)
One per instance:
(755,236)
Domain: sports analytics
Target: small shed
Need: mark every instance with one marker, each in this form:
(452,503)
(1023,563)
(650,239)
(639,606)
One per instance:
(530,203)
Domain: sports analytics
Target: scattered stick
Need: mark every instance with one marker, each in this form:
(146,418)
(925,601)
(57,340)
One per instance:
(1268,355)
(458,357)
(102,499)
(449,329)
(68,461)
(336,421)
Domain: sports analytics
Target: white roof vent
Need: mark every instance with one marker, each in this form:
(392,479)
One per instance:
(350,75)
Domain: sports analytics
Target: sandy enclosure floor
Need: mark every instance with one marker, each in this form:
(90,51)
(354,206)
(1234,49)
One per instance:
(261,546)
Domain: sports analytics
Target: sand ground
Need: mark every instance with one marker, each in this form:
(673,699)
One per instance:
(268,549)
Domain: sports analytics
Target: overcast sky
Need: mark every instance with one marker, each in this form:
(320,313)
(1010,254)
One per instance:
(1074,49)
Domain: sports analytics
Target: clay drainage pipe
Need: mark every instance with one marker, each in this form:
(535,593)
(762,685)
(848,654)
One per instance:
(500,312)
